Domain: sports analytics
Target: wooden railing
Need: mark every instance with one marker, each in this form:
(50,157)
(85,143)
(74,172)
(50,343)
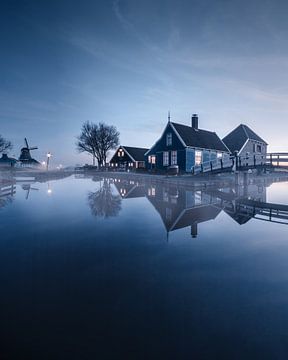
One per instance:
(242,162)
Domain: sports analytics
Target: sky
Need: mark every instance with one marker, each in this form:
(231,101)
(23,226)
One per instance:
(127,62)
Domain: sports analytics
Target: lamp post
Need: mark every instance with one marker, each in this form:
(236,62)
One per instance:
(48,159)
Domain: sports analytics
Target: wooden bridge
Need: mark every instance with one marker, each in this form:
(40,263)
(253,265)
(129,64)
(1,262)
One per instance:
(242,163)
(246,208)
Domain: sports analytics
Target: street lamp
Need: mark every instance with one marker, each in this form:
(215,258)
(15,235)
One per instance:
(48,159)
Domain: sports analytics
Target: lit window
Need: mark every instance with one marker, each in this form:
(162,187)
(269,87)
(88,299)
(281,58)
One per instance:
(169,139)
(165,158)
(112,164)
(198,157)
(153,159)
(219,155)
(173,157)
(120,153)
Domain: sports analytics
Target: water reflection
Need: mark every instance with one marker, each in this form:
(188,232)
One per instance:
(103,202)
(7,193)
(180,207)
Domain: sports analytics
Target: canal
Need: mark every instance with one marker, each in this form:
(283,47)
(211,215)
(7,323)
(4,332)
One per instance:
(110,268)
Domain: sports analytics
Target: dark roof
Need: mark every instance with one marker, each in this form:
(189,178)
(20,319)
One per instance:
(195,216)
(5,159)
(236,139)
(199,138)
(136,153)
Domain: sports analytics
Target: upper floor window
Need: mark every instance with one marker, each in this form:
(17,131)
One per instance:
(257,148)
(173,157)
(165,158)
(169,139)
(120,153)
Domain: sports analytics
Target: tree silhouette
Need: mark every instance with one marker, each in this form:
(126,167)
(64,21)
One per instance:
(103,203)
(5,145)
(97,140)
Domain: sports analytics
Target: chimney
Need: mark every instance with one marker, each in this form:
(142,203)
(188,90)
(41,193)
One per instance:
(194,121)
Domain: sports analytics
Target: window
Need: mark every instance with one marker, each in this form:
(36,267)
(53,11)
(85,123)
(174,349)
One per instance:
(165,158)
(168,214)
(169,139)
(120,153)
(257,148)
(219,155)
(152,159)
(173,157)
(198,157)
(151,191)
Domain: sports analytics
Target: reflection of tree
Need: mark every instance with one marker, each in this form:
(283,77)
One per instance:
(103,203)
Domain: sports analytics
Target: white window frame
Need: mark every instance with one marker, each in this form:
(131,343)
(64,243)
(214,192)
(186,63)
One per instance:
(169,139)
(165,158)
(174,157)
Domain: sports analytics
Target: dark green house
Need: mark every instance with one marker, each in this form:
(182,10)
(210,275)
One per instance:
(185,146)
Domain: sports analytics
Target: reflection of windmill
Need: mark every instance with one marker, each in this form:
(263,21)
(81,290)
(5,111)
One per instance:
(28,188)
(25,156)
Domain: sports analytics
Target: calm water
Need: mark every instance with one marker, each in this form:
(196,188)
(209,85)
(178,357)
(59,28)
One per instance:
(105,269)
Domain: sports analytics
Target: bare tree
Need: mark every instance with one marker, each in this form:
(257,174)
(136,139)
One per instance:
(97,140)
(5,145)
(103,203)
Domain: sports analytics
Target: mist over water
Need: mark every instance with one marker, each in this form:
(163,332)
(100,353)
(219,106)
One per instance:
(104,267)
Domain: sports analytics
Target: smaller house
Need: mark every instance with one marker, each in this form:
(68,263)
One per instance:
(245,141)
(128,158)
(5,161)
(185,146)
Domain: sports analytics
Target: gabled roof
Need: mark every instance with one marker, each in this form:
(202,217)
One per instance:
(199,138)
(136,153)
(236,139)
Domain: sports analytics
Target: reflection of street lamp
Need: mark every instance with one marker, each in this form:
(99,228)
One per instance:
(49,190)
(48,159)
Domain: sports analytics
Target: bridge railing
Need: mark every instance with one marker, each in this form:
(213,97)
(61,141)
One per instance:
(251,160)
(277,159)
(212,165)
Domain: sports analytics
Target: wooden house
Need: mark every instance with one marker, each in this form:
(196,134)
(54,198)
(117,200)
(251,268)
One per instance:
(5,161)
(185,146)
(128,158)
(245,142)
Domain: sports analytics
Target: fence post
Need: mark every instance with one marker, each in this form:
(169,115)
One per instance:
(254,160)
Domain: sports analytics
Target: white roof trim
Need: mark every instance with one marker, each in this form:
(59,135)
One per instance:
(179,137)
(122,147)
(244,145)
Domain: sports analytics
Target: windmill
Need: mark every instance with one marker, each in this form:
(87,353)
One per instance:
(25,156)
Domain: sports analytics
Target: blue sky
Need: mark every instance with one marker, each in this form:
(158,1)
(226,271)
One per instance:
(128,62)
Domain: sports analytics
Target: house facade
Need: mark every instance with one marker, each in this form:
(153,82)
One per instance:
(185,146)
(128,158)
(245,141)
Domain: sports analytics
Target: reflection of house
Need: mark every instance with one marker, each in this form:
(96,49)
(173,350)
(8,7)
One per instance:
(245,142)
(185,146)
(179,207)
(129,189)
(233,201)
(127,157)
(6,161)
